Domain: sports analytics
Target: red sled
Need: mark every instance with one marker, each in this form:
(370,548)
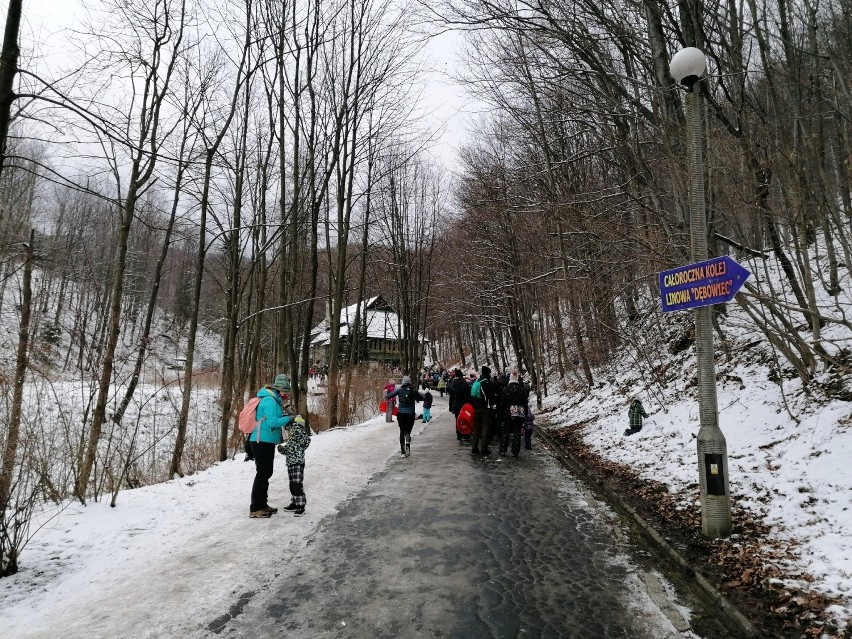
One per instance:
(383,408)
(464,423)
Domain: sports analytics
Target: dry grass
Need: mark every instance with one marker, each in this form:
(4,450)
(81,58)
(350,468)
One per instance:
(365,395)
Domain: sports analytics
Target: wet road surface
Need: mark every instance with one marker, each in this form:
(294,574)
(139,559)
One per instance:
(443,544)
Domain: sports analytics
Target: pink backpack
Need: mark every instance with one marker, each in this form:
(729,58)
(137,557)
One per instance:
(248,417)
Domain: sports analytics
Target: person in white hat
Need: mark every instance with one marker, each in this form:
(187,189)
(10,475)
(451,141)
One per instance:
(516,407)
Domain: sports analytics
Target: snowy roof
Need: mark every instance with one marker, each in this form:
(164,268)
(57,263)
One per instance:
(380,319)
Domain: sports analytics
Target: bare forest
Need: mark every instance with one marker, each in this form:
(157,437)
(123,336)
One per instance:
(208,181)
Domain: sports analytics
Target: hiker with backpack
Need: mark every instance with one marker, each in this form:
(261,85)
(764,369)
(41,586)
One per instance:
(269,423)
(515,406)
(406,397)
(482,396)
(497,421)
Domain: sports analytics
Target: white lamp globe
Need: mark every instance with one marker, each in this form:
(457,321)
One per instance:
(688,65)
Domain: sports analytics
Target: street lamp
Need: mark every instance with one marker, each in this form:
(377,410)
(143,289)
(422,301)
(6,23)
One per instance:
(686,68)
(536,363)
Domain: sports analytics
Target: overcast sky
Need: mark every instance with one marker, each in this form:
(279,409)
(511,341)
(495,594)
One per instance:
(46,24)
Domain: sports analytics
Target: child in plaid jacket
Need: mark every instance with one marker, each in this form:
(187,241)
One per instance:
(294,449)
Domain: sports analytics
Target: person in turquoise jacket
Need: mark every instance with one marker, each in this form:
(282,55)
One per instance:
(263,440)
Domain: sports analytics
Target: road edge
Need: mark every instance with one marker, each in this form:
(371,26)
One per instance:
(612,497)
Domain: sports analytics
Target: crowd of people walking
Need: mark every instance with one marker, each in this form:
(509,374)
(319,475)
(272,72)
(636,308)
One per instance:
(500,405)
(500,410)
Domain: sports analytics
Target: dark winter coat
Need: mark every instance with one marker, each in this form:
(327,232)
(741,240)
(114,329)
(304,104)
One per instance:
(427,400)
(635,413)
(488,393)
(459,394)
(516,394)
(406,395)
(297,442)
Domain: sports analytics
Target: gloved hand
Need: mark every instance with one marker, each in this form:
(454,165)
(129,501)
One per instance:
(299,420)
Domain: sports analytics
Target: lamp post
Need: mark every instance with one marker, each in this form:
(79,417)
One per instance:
(686,67)
(536,363)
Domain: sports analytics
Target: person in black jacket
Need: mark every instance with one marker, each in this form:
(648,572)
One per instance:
(515,406)
(482,399)
(498,423)
(407,396)
(458,392)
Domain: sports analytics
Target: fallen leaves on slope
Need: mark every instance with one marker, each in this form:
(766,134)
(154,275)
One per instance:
(750,568)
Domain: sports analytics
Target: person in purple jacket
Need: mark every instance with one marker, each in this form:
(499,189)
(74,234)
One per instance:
(427,407)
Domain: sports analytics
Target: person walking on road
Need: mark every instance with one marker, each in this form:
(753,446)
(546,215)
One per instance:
(516,409)
(482,394)
(459,393)
(529,426)
(635,414)
(406,412)
(294,450)
(264,438)
(442,386)
(427,407)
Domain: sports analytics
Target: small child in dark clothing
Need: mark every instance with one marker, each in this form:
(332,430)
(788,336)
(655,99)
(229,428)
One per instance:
(529,423)
(427,406)
(635,414)
(294,449)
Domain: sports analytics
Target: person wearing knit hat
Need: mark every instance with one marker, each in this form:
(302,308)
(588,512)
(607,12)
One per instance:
(482,396)
(406,412)
(516,407)
(458,393)
(267,434)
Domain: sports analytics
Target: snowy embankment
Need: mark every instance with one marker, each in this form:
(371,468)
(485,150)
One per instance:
(788,448)
(173,557)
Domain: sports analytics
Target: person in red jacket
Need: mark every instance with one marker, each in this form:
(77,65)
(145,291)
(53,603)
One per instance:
(389,388)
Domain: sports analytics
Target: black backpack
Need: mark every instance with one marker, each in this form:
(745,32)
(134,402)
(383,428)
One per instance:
(406,396)
(516,394)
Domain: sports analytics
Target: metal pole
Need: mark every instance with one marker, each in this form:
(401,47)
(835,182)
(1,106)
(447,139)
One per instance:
(712,448)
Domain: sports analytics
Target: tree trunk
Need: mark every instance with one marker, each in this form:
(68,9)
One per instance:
(10,451)
(8,71)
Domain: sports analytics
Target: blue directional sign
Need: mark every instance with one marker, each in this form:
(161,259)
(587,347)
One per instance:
(715,281)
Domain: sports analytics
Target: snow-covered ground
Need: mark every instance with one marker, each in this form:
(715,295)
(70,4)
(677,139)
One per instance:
(788,446)
(796,478)
(188,544)
(173,553)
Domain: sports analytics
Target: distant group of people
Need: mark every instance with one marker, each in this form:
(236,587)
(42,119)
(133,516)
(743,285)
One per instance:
(500,409)
(500,404)
(318,372)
